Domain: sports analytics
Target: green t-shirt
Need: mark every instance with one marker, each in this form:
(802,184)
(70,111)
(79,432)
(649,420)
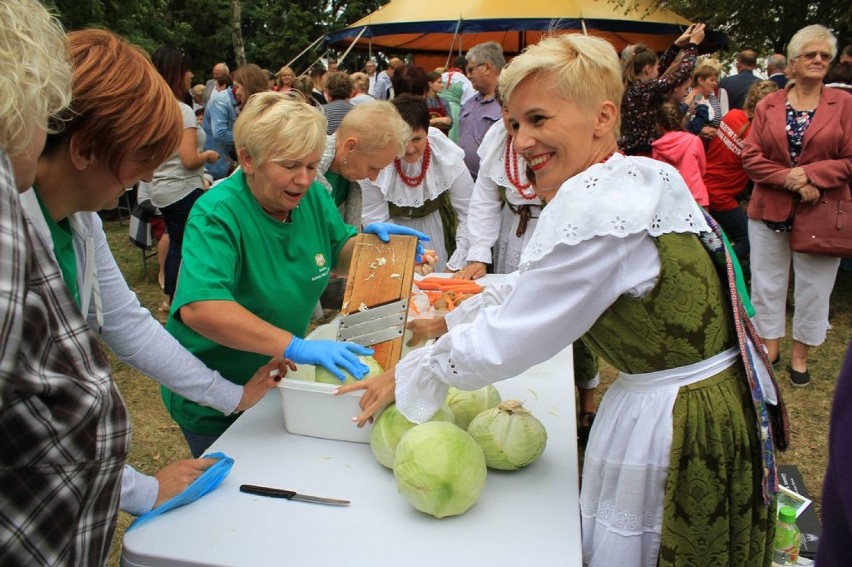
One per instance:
(234,251)
(339,187)
(63,249)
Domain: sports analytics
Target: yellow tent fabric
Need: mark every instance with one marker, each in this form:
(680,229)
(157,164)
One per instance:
(436,28)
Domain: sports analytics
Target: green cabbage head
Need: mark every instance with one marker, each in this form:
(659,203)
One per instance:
(510,436)
(326,377)
(389,428)
(439,469)
(467,405)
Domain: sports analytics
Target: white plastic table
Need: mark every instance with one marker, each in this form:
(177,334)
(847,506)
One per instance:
(526,517)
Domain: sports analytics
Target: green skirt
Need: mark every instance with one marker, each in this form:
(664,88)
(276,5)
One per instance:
(713,513)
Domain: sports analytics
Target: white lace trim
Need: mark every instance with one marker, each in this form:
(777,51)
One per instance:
(492,164)
(325,161)
(623,196)
(446,165)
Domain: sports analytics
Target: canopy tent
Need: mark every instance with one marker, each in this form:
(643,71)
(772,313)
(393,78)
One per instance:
(439,28)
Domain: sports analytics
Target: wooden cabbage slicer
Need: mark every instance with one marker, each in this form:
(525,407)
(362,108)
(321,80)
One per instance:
(375,303)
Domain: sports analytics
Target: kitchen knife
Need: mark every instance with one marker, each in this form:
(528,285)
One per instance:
(290,495)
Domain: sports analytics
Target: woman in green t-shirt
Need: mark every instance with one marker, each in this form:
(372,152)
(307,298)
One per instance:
(258,252)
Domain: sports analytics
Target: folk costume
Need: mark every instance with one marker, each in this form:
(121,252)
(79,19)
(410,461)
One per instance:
(680,465)
(431,196)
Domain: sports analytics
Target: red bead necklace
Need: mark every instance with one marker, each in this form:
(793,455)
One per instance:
(424,167)
(513,173)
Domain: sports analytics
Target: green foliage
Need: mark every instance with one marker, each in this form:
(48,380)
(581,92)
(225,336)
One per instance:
(765,25)
(274,31)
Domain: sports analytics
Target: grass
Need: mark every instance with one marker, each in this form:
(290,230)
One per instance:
(157,441)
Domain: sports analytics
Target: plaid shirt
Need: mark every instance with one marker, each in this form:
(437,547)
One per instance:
(64,430)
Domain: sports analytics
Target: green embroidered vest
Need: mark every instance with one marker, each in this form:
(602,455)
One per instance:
(684,319)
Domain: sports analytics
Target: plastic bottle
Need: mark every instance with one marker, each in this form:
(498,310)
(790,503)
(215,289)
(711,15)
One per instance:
(787,539)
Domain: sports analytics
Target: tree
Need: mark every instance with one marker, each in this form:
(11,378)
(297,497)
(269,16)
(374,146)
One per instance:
(237,33)
(765,25)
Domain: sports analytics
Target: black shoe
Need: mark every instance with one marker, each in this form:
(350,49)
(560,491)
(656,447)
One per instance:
(776,360)
(800,378)
(584,430)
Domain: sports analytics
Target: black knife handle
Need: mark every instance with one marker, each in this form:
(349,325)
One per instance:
(266,491)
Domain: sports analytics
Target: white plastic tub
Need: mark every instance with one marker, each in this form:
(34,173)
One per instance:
(311,408)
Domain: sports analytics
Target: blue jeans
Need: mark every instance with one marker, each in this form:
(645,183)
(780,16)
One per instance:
(175,216)
(198,443)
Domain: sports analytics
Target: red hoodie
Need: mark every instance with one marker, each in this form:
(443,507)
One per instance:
(686,153)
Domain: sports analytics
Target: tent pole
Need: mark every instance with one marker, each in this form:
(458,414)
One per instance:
(351,45)
(305,50)
(453,43)
(318,59)
(585,31)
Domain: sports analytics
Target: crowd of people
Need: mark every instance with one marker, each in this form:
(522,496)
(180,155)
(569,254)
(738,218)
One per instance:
(610,190)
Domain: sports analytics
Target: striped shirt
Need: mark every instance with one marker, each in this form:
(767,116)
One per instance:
(334,112)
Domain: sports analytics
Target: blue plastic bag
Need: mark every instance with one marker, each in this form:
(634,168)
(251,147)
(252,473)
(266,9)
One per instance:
(204,484)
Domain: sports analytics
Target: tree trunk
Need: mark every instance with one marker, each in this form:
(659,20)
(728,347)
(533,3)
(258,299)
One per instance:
(237,33)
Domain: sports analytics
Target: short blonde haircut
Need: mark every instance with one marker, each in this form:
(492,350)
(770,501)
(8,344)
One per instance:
(811,34)
(706,68)
(197,90)
(35,74)
(274,127)
(360,81)
(586,70)
(376,124)
(119,104)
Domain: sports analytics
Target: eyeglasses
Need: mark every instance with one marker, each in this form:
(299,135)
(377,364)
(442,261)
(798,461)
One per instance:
(470,69)
(811,55)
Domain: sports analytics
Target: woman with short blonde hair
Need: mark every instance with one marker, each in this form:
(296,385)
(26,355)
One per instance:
(259,251)
(264,128)
(360,150)
(620,237)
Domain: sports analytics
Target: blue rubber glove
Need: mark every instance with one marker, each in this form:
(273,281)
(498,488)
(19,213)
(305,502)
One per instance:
(384,229)
(331,355)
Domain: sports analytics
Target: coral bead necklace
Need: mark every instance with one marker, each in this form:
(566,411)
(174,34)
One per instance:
(424,167)
(513,174)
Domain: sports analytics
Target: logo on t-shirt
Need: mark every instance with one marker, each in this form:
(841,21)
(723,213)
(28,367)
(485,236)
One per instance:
(320,260)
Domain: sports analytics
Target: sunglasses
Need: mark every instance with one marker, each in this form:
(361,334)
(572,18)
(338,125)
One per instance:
(811,55)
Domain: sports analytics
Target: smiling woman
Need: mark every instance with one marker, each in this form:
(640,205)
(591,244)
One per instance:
(618,240)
